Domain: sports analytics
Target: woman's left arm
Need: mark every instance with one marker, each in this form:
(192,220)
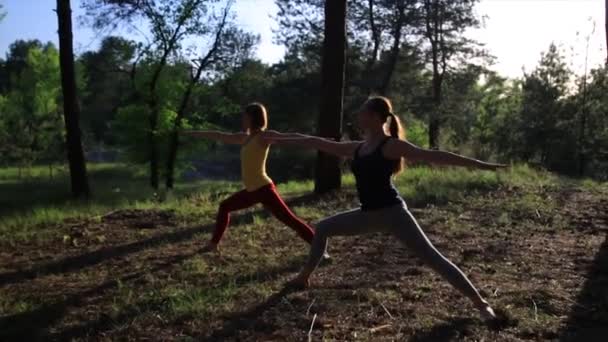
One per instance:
(272,134)
(396,149)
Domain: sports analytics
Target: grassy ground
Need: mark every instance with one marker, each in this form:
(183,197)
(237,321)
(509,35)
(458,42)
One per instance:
(127,267)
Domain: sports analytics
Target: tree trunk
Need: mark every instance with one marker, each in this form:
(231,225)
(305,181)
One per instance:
(71,110)
(371,61)
(181,111)
(434,116)
(582,141)
(153,102)
(153,146)
(174,142)
(433,33)
(395,49)
(328,173)
(606,23)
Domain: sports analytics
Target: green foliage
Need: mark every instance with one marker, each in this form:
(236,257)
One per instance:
(108,85)
(132,131)
(592,102)
(417,132)
(31,118)
(542,107)
(495,128)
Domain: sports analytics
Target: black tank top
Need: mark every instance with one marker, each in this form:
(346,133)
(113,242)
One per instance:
(373,176)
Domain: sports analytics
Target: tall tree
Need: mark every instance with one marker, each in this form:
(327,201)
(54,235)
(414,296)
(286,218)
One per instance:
(398,25)
(581,140)
(108,85)
(71,111)
(376,30)
(229,45)
(171,22)
(16,62)
(328,172)
(542,110)
(33,128)
(444,24)
(597,123)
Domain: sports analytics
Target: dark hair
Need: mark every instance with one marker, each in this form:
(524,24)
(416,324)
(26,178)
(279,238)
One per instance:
(257,114)
(382,106)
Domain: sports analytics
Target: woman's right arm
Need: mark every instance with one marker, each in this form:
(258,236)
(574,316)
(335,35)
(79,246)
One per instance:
(340,149)
(227,138)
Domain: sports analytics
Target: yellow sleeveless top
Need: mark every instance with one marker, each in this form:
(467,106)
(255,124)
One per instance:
(253,164)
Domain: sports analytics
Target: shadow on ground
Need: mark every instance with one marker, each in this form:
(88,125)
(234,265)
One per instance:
(89,259)
(588,320)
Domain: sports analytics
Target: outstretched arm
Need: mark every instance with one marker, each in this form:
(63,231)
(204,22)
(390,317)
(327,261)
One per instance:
(272,134)
(404,149)
(340,149)
(227,138)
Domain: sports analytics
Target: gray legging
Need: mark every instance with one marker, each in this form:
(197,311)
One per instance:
(400,222)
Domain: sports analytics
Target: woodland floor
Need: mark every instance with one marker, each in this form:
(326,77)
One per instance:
(539,255)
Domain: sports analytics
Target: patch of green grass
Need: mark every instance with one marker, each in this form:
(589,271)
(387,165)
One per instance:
(32,207)
(296,187)
(196,301)
(424,185)
(15,306)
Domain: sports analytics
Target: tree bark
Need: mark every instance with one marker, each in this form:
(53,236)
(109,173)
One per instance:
(433,34)
(434,116)
(328,173)
(71,110)
(395,49)
(371,61)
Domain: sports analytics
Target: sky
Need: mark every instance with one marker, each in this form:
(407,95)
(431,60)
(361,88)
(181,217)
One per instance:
(514,31)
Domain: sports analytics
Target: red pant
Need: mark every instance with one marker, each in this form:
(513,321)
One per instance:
(269,197)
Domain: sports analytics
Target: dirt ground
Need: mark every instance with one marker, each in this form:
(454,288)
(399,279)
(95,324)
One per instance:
(541,258)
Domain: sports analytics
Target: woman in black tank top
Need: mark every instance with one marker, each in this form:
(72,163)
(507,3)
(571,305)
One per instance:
(373,173)
(375,161)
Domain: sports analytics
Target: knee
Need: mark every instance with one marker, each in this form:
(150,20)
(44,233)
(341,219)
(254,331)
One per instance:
(224,207)
(321,229)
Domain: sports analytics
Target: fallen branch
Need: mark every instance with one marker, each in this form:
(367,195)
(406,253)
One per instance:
(310,306)
(378,328)
(102,216)
(386,310)
(312,324)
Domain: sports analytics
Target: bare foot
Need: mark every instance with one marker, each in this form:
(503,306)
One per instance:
(486,313)
(211,248)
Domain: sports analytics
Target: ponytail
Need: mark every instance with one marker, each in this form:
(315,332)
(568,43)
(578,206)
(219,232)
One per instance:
(383,107)
(396,130)
(395,127)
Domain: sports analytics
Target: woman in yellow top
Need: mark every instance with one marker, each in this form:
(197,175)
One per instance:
(259,188)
